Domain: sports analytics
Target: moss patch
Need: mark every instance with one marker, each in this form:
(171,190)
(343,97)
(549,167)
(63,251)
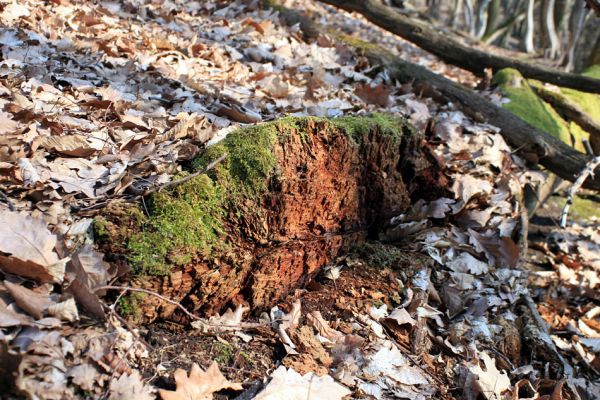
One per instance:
(528,106)
(356,127)
(187,222)
(129,306)
(589,102)
(583,209)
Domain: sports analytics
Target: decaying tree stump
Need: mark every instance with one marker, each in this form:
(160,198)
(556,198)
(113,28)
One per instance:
(290,196)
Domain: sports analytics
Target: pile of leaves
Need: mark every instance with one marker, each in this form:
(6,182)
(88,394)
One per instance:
(112,100)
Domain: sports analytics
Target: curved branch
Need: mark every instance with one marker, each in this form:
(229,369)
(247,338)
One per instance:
(454,52)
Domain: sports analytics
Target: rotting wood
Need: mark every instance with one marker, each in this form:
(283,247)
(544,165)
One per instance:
(333,184)
(456,53)
(552,153)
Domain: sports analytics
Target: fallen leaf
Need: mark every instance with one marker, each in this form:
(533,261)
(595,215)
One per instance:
(287,384)
(466,263)
(66,310)
(28,248)
(29,301)
(379,95)
(129,387)
(490,383)
(73,145)
(199,385)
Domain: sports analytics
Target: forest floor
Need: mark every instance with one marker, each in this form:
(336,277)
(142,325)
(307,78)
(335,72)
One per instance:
(101,102)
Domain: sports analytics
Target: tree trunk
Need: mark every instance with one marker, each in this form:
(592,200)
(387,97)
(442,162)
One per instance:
(451,51)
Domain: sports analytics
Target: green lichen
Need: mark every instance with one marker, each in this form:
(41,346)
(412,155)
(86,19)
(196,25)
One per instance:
(187,222)
(528,106)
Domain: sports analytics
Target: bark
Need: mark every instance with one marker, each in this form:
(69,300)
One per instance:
(553,154)
(454,52)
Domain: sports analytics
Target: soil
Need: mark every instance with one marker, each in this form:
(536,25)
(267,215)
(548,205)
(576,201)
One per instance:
(364,282)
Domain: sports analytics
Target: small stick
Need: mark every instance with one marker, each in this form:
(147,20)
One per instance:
(587,171)
(9,203)
(182,308)
(185,178)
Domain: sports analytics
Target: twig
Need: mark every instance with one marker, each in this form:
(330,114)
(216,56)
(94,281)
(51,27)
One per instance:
(9,203)
(185,178)
(246,325)
(150,292)
(547,340)
(588,170)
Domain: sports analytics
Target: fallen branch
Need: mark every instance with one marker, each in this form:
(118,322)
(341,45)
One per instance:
(544,337)
(587,171)
(553,154)
(456,53)
(569,110)
(177,182)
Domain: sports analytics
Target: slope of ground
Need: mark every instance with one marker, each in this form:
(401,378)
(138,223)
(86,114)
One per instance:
(105,103)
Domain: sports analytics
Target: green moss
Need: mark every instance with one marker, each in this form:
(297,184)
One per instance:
(100,228)
(356,127)
(578,136)
(354,41)
(593,71)
(187,221)
(583,208)
(589,102)
(223,353)
(129,305)
(528,106)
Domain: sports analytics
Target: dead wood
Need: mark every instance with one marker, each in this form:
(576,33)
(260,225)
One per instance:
(553,154)
(456,53)
(571,111)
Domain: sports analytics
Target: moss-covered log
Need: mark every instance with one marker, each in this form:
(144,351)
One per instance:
(551,152)
(289,197)
(454,52)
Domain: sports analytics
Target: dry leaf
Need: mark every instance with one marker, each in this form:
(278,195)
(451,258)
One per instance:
(287,384)
(66,311)
(230,320)
(28,248)
(490,383)
(33,303)
(74,145)
(322,326)
(200,385)
(379,95)
(129,387)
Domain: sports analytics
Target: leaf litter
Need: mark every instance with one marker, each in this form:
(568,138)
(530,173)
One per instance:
(109,100)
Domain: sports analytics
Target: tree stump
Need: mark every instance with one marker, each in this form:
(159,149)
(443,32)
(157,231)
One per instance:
(290,197)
